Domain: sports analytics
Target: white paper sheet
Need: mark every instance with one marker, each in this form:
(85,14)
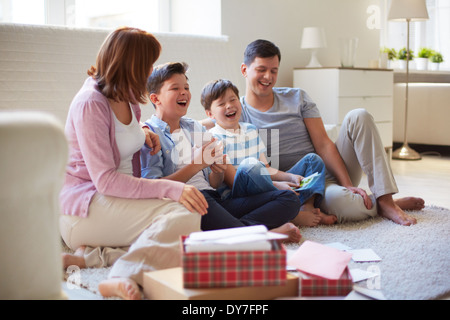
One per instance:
(224,233)
(360,275)
(364,255)
(253,238)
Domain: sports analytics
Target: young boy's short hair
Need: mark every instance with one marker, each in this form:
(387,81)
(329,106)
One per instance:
(261,49)
(214,90)
(162,73)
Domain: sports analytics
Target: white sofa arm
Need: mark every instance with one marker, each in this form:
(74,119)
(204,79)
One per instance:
(33,158)
(332,131)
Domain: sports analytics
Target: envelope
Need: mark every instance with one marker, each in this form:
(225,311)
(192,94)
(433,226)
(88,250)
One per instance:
(320,260)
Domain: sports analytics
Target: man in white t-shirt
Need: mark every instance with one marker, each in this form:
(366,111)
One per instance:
(300,129)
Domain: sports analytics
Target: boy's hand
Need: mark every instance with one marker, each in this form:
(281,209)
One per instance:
(296,179)
(285,185)
(221,166)
(210,153)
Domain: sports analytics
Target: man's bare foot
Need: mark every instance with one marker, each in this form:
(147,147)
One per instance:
(124,288)
(306,219)
(290,230)
(77,258)
(410,203)
(389,209)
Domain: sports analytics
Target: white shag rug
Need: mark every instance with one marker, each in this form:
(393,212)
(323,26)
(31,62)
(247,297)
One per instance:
(415,259)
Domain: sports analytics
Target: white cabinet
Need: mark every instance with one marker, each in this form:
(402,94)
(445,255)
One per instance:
(336,91)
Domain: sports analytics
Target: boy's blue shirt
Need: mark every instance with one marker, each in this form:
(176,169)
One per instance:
(162,164)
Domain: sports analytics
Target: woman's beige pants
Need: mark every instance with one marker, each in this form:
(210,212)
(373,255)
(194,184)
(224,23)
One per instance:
(135,236)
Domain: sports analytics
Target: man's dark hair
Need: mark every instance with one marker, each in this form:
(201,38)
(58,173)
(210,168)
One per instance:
(260,49)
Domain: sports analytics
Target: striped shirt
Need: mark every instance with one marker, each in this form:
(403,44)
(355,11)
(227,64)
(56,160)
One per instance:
(242,144)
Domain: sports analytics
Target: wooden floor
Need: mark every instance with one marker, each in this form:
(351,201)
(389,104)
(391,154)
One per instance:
(428,178)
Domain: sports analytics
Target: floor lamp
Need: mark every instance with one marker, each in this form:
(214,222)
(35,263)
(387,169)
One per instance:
(407,10)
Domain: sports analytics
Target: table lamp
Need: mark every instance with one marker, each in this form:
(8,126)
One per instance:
(407,10)
(313,38)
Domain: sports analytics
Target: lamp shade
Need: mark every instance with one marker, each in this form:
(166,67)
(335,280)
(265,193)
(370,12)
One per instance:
(403,10)
(313,38)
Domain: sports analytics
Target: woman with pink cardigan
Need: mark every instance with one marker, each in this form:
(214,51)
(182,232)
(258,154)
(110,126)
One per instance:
(111,216)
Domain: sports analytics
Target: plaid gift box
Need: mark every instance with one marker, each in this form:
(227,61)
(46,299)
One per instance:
(234,268)
(311,285)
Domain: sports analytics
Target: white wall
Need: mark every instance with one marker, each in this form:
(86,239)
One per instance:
(282,22)
(428,113)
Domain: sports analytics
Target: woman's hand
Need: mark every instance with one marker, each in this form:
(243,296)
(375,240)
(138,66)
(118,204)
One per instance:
(193,200)
(152,140)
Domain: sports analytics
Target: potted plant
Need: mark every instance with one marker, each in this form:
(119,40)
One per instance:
(422,58)
(388,54)
(402,55)
(435,59)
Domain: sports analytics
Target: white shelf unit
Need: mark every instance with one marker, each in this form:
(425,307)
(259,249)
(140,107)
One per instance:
(337,90)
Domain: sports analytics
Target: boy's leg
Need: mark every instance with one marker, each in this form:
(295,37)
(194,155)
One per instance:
(272,208)
(217,217)
(312,196)
(310,164)
(251,178)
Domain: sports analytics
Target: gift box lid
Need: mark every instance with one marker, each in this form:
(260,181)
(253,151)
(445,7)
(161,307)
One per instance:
(168,285)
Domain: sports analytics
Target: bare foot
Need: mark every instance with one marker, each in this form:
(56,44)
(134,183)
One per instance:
(410,203)
(389,209)
(124,288)
(76,258)
(290,230)
(307,219)
(327,219)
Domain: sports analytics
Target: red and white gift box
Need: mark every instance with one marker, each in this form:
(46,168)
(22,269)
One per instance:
(323,270)
(311,285)
(234,268)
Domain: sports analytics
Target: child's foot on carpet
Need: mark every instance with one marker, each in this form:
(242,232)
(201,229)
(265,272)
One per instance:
(290,230)
(75,259)
(327,219)
(307,219)
(410,203)
(123,288)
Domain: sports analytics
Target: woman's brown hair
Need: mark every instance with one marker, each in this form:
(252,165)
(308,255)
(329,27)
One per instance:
(124,63)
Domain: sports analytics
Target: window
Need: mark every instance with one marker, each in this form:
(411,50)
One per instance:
(110,14)
(22,11)
(433,33)
(183,16)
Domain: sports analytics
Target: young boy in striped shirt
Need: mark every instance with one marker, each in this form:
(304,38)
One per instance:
(243,146)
